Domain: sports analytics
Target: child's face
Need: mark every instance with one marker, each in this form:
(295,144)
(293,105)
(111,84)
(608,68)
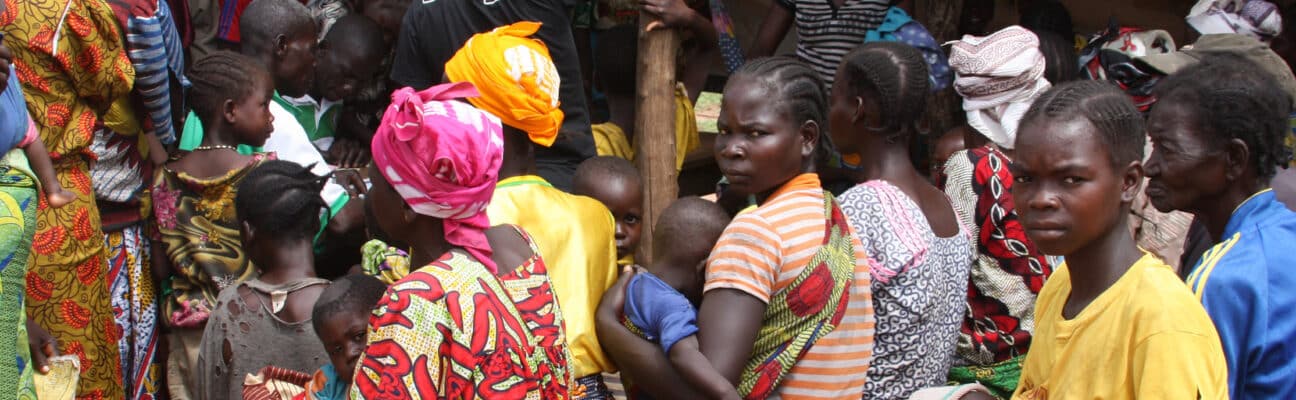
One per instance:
(252,121)
(1183,169)
(1067,192)
(843,110)
(948,144)
(295,66)
(344,335)
(625,199)
(760,147)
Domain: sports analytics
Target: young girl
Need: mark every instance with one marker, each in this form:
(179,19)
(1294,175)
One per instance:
(267,320)
(918,253)
(787,309)
(199,253)
(1110,307)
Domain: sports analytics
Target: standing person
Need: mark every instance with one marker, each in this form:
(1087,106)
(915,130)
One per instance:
(519,83)
(787,309)
(21,341)
(1111,307)
(826,30)
(121,176)
(266,320)
(71,80)
(918,252)
(197,253)
(433,31)
(998,76)
(1217,131)
(491,328)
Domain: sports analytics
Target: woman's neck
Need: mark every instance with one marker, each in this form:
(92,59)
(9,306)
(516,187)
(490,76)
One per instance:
(1097,266)
(886,161)
(1216,213)
(519,154)
(288,262)
(427,241)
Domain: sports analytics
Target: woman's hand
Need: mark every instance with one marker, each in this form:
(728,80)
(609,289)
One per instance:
(614,298)
(671,14)
(43,346)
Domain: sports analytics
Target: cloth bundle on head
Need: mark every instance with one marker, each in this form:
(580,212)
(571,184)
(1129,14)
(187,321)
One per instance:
(1255,18)
(1230,43)
(998,76)
(516,77)
(443,157)
(1110,56)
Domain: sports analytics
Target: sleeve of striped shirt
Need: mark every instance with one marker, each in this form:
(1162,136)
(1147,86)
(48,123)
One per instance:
(958,186)
(746,258)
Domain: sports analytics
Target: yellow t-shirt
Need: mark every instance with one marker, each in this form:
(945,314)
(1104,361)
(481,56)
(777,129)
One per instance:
(576,237)
(1146,337)
(610,139)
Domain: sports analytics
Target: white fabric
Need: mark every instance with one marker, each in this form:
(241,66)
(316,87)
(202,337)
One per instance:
(998,76)
(1255,18)
(289,142)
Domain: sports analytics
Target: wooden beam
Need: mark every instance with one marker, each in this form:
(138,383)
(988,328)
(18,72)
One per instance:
(655,127)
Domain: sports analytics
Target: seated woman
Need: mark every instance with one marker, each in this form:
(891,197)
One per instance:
(787,308)
(479,319)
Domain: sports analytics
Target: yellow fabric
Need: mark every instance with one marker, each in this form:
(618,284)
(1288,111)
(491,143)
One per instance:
(516,77)
(576,238)
(610,139)
(1146,337)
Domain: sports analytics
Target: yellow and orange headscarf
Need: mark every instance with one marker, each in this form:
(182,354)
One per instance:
(516,77)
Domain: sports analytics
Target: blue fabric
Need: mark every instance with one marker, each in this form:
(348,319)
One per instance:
(1246,284)
(663,314)
(334,388)
(13,114)
(154,48)
(898,26)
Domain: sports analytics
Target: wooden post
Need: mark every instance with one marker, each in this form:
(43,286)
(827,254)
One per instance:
(655,127)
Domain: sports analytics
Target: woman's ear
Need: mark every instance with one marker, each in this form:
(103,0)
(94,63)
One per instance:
(1132,181)
(1239,158)
(407,212)
(809,134)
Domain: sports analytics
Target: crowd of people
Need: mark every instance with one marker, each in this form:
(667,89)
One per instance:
(387,199)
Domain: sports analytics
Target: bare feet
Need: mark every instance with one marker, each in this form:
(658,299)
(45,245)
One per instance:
(59,197)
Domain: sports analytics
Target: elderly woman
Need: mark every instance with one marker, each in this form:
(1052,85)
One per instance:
(1217,139)
(478,320)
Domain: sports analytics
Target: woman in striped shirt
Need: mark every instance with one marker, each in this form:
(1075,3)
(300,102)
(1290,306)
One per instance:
(787,310)
(826,29)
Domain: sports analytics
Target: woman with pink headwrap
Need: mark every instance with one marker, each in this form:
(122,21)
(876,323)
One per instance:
(479,319)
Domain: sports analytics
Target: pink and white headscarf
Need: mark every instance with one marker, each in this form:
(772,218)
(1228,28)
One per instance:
(443,157)
(999,76)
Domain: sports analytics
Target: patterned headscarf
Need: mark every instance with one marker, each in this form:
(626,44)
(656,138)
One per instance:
(517,79)
(443,157)
(999,76)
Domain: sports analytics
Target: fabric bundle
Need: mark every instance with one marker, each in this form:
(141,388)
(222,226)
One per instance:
(998,76)
(443,157)
(516,77)
(1255,18)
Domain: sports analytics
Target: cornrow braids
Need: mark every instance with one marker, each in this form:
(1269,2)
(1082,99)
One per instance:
(1232,98)
(1106,107)
(221,76)
(894,74)
(281,199)
(799,90)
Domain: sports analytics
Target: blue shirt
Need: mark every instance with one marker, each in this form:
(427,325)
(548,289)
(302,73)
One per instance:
(1248,285)
(663,314)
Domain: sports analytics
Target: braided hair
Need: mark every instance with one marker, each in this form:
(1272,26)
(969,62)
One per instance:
(799,91)
(1106,107)
(221,76)
(281,199)
(1232,98)
(895,75)
(352,293)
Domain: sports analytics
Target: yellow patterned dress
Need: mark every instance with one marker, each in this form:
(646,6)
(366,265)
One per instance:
(69,56)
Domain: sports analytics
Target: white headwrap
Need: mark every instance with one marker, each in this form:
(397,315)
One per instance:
(998,76)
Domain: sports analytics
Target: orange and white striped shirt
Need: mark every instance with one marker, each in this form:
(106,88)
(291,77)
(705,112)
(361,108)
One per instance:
(762,251)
